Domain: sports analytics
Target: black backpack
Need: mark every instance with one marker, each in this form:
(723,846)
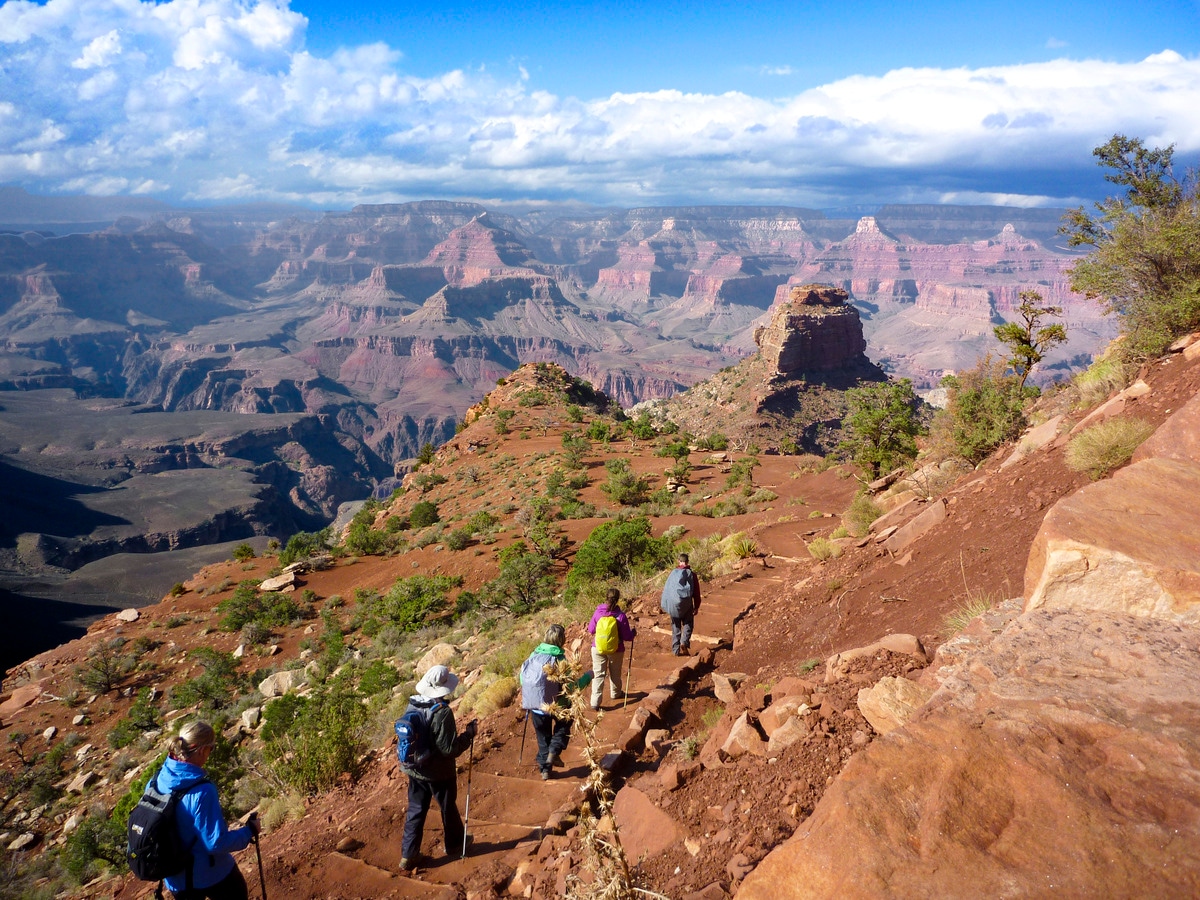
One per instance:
(414,746)
(153,847)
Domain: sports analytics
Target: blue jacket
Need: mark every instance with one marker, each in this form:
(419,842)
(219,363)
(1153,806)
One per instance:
(202,827)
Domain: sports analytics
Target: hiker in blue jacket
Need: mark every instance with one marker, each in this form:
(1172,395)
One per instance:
(437,779)
(201,824)
(681,601)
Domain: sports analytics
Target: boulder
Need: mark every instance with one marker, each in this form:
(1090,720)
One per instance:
(891,701)
(791,686)
(743,738)
(49,733)
(1114,406)
(279,582)
(725,685)
(646,830)
(791,731)
(128,615)
(1127,544)
(1066,753)
(251,717)
(778,713)
(21,697)
(933,514)
(23,842)
(80,783)
(437,655)
(1034,439)
(281,683)
(1176,438)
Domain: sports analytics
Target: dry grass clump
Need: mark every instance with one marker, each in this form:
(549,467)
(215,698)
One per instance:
(1104,377)
(287,807)
(490,693)
(974,606)
(860,514)
(1105,446)
(822,549)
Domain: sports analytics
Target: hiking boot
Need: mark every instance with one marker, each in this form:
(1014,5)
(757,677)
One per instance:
(685,650)
(674,651)
(619,695)
(407,864)
(545,774)
(552,759)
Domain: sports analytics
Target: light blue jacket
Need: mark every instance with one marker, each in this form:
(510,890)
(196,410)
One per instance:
(201,826)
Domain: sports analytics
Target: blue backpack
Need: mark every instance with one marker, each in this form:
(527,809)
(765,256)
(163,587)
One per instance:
(414,745)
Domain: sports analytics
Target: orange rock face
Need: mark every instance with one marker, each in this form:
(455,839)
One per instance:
(1062,761)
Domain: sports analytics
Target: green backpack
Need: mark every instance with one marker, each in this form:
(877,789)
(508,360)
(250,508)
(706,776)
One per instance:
(607,637)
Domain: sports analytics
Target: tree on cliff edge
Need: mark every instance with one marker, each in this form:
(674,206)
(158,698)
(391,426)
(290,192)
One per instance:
(1027,340)
(1146,263)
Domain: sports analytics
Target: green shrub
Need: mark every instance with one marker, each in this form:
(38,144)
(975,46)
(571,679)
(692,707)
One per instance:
(214,688)
(502,419)
(881,426)
(303,545)
(322,742)
(246,605)
(742,472)
(623,485)
(424,513)
(408,605)
(459,538)
(986,409)
(617,549)
(532,398)
(378,676)
(243,552)
(1099,449)
(425,456)
(574,413)
(714,441)
(105,667)
(143,716)
(427,481)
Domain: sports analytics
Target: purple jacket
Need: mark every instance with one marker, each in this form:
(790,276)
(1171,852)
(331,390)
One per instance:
(624,632)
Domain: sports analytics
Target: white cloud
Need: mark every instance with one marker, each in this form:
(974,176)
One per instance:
(220,99)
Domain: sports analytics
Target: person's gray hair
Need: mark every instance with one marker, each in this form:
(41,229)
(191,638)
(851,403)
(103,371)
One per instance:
(556,635)
(191,737)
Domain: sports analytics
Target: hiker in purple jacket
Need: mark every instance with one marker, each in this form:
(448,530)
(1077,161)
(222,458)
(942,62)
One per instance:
(608,662)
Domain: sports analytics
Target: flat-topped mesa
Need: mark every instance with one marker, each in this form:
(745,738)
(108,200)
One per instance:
(816,330)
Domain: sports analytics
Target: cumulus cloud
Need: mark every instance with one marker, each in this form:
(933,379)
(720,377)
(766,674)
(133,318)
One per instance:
(220,99)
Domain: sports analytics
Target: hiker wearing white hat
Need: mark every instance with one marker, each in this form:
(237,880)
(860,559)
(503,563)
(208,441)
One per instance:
(429,762)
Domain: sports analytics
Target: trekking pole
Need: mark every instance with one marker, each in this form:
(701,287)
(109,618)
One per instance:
(262,880)
(628,675)
(524,731)
(467,809)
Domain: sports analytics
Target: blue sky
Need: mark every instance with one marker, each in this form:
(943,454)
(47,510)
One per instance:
(807,104)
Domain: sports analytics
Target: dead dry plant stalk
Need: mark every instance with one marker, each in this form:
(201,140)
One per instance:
(603,856)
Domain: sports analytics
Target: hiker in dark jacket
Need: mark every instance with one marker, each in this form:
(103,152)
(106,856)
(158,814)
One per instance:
(538,691)
(201,823)
(608,665)
(437,779)
(681,601)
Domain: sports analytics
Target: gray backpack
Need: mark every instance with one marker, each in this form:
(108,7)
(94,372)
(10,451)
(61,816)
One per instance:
(536,688)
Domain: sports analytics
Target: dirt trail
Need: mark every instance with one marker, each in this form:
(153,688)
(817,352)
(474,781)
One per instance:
(512,809)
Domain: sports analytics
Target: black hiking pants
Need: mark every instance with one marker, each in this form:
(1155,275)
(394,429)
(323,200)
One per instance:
(420,794)
(231,887)
(552,735)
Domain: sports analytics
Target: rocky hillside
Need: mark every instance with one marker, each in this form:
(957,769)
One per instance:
(840,731)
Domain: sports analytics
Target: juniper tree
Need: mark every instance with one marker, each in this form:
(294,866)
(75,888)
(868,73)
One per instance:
(1027,342)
